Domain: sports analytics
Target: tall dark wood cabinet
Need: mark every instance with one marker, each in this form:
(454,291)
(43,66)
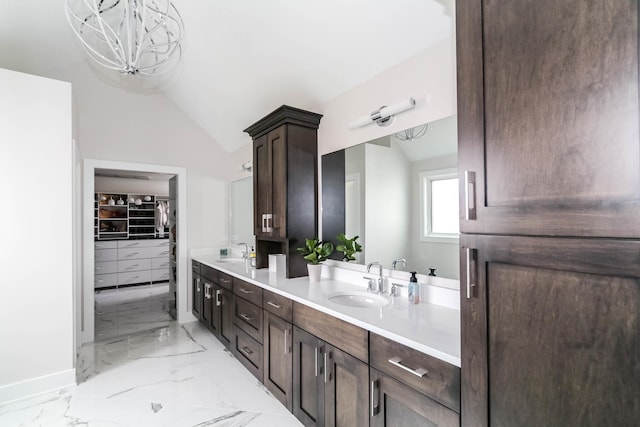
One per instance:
(549,161)
(285,181)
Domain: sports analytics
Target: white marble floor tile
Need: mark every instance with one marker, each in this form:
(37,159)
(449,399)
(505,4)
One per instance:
(178,375)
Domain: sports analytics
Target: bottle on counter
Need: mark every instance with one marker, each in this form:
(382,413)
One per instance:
(414,289)
(252,257)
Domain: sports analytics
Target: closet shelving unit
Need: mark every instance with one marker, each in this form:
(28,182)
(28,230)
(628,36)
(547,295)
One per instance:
(127,216)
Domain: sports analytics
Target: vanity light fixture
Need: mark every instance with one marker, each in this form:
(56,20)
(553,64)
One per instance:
(383,116)
(410,134)
(247,166)
(134,37)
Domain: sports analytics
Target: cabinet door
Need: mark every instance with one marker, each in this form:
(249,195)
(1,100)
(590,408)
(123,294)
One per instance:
(346,389)
(308,378)
(396,404)
(216,304)
(549,125)
(278,151)
(278,358)
(197,293)
(550,331)
(207,303)
(261,184)
(226,328)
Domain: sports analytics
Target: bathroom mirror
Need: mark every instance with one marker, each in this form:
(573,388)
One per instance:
(399,196)
(241,211)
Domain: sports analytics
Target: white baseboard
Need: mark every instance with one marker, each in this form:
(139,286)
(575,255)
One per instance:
(38,385)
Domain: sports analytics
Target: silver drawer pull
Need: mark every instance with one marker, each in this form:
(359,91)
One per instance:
(244,291)
(132,254)
(273,304)
(246,350)
(245,317)
(225,280)
(420,372)
(164,253)
(133,266)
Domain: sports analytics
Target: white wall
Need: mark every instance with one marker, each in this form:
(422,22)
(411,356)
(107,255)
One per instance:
(36,307)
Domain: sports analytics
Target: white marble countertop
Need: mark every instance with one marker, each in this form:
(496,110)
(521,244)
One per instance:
(429,328)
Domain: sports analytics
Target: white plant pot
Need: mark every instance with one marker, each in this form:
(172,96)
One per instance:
(315,272)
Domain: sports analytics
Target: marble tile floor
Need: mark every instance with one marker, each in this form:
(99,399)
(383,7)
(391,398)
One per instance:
(178,375)
(133,309)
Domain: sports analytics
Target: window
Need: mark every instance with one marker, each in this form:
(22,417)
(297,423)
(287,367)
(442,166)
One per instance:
(439,216)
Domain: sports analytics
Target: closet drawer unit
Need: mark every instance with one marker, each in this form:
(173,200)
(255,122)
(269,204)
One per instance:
(248,291)
(136,253)
(159,251)
(105,280)
(124,244)
(431,376)
(106,255)
(248,317)
(104,267)
(160,275)
(134,265)
(156,243)
(132,277)
(278,305)
(160,263)
(105,245)
(225,281)
(249,352)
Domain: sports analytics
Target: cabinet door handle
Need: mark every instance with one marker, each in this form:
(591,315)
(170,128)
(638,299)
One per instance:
(218,299)
(327,374)
(273,304)
(246,350)
(316,355)
(375,399)
(197,284)
(470,194)
(471,273)
(264,223)
(245,291)
(207,290)
(267,219)
(286,338)
(420,372)
(245,317)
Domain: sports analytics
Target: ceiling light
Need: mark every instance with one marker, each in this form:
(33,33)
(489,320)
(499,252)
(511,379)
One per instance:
(412,133)
(135,37)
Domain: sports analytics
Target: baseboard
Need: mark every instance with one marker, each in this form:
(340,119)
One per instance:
(38,385)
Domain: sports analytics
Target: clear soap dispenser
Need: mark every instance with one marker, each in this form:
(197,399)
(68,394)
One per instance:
(252,257)
(414,289)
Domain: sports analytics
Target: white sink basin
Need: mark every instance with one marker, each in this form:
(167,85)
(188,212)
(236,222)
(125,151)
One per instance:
(360,299)
(230,260)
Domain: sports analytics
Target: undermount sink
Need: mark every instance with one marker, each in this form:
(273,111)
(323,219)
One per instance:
(360,299)
(230,260)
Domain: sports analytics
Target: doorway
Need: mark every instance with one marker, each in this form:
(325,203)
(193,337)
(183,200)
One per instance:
(87,304)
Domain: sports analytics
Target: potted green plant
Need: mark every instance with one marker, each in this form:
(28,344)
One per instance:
(349,247)
(315,252)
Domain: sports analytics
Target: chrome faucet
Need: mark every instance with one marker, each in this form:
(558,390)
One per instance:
(380,289)
(245,253)
(399,260)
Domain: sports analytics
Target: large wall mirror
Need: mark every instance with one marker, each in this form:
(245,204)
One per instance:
(400,195)
(241,211)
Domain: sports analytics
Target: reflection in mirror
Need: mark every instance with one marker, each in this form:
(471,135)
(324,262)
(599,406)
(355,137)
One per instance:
(384,191)
(241,211)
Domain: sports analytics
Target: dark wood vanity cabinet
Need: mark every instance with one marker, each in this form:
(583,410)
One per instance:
(549,161)
(248,326)
(226,329)
(278,346)
(285,181)
(210,298)
(196,290)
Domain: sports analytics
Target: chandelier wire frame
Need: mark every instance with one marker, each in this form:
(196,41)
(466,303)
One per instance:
(135,37)
(412,133)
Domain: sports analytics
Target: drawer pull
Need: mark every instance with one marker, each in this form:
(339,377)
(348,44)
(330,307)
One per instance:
(375,399)
(225,280)
(132,254)
(164,253)
(245,317)
(218,299)
(420,372)
(246,350)
(273,304)
(245,291)
(132,266)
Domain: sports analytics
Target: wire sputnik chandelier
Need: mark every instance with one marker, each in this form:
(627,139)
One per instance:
(135,37)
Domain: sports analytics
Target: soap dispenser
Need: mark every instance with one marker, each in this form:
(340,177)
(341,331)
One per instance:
(252,257)
(414,289)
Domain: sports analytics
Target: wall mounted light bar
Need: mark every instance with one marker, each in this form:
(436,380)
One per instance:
(383,116)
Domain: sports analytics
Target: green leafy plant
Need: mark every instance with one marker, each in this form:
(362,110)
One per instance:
(315,251)
(349,247)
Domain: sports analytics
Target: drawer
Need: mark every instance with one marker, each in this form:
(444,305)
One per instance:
(161,252)
(225,281)
(134,277)
(133,265)
(160,263)
(195,267)
(431,376)
(347,337)
(106,255)
(104,267)
(143,243)
(248,317)
(249,352)
(248,291)
(211,274)
(106,245)
(278,305)
(136,253)
(160,275)
(105,280)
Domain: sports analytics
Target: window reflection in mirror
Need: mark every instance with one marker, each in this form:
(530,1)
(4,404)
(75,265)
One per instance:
(377,191)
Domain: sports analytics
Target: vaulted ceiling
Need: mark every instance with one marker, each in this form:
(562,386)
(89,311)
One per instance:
(243,58)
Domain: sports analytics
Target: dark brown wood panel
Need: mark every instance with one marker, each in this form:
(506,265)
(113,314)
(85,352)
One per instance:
(396,404)
(249,352)
(346,389)
(248,291)
(248,317)
(278,358)
(548,110)
(308,387)
(278,305)
(343,335)
(551,332)
(225,280)
(441,382)
(278,153)
(261,182)
(227,330)
(196,291)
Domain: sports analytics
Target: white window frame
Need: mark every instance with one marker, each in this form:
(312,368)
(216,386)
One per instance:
(426,178)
